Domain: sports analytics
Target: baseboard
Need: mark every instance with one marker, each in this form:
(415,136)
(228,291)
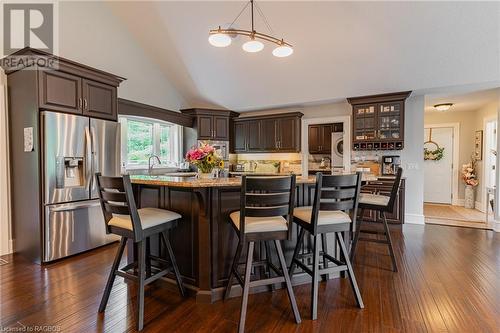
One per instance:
(414,218)
(459,202)
(7,249)
(496,226)
(480,206)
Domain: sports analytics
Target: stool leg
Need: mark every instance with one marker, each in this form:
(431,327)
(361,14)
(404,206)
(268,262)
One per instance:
(324,246)
(246,288)
(233,270)
(141,285)
(112,274)
(300,240)
(148,257)
(356,234)
(315,278)
(269,262)
(350,271)
(178,277)
(389,242)
(288,282)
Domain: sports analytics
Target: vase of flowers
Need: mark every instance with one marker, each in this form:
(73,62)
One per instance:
(205,159)
(470,179)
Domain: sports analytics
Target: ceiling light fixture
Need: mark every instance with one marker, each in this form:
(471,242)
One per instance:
(443,106)
(222,37)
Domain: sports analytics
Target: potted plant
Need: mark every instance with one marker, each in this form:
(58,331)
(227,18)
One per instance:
(205,159)
(470,179)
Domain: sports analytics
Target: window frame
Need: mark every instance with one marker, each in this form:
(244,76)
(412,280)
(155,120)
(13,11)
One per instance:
(175,136)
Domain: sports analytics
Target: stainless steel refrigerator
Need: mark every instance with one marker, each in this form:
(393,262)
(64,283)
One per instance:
(74,148)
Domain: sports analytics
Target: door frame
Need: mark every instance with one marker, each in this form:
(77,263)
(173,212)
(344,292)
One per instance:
(455,151)
(326,120)
(6,245)
(483,206)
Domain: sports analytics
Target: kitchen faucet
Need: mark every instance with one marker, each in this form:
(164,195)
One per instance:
(150,166)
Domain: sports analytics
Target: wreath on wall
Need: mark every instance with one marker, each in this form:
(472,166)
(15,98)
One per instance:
(433,154)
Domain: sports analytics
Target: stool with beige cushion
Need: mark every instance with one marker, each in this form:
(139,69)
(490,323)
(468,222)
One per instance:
(124,219)
(382,204)
(334,198)
(265,215)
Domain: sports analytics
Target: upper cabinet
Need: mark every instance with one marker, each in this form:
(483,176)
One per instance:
(320,139)
(212,124)
(378,121)
(269,133)
(70,87)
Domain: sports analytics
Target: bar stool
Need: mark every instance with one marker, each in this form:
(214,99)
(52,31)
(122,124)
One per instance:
(266,207)
(124,219)
(382,204)
(334,197)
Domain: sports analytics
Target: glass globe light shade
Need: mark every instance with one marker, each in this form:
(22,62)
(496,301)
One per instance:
(253,46)
(282,51)
(219,40)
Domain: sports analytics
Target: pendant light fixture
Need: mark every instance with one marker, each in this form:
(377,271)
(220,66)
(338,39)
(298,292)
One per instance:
(222,37)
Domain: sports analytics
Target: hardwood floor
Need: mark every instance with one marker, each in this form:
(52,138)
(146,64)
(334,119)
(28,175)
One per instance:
(449,281)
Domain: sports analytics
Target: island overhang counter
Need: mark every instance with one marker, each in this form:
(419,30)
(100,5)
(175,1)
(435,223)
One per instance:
(204,242)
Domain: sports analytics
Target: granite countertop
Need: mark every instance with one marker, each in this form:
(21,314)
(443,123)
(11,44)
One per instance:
(193,182)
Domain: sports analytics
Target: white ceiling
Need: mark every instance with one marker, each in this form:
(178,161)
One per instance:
(470,101)
(342,49)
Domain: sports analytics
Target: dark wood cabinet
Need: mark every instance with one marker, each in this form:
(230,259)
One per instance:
(378,121)
(383,187)
(64,92)
(71,87)
(269,133)
(320,138)
(60,91)
(212,124)
(99,100)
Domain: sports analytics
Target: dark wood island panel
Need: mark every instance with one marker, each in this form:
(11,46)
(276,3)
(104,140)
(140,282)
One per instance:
(204,242)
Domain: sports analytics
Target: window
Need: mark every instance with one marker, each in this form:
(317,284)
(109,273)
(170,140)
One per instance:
(143,137)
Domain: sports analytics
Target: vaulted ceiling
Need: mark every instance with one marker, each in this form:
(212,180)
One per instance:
(342,49)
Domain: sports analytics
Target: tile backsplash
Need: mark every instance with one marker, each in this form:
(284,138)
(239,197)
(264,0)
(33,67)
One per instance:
(269,163)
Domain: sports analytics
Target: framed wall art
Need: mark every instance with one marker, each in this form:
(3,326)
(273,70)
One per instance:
(478,145)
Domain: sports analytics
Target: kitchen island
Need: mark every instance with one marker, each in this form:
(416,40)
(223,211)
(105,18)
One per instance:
(204,241)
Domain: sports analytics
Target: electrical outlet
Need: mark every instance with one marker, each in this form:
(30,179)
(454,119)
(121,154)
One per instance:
(412,166)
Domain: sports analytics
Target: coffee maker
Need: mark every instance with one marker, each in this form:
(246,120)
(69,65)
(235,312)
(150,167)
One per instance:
(390,165)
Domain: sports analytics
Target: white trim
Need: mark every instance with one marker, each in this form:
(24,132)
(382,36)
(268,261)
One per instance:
(482,176)
(414,219)
(456,152)
(326,120)
(460,202)
(480,206)
(5,213)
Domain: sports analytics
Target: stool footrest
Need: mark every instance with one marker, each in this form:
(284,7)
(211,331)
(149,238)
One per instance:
(266,282)
(380,241)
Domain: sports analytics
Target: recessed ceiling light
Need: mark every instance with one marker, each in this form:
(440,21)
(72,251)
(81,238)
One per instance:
(443,106)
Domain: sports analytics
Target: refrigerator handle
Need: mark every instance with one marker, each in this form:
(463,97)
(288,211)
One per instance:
(88,159)
(95,167)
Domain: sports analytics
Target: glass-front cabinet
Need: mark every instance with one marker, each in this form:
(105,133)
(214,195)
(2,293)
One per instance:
(378,121)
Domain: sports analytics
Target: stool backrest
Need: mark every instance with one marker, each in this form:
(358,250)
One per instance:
(117,198)
(395,189)
(336,192)
(267,197)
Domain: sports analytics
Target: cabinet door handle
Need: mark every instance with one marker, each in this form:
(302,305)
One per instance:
(85,104)
(80,103)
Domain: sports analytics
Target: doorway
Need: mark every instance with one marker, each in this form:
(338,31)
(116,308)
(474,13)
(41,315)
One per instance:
(490,159)
(438,166)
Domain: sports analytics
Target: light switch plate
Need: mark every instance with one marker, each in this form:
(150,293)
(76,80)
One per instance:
(28,139)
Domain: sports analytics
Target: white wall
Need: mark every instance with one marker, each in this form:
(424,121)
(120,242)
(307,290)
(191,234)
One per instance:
(91,34)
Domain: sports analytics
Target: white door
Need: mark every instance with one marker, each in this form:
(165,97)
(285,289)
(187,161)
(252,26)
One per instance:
(438,175)
(488,155)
